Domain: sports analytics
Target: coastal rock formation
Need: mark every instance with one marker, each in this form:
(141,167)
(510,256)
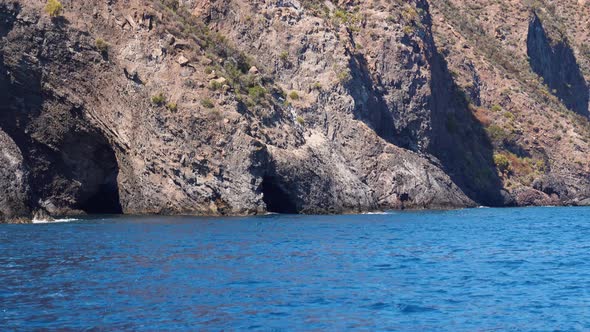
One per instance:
(236,107)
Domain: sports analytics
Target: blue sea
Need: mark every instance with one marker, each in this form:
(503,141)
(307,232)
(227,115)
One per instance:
(468,270)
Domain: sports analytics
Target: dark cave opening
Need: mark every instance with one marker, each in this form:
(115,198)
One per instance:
(276,198)
(104,201)
(99,174)
(78,171)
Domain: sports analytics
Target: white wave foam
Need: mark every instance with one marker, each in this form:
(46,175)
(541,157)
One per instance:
(45,221)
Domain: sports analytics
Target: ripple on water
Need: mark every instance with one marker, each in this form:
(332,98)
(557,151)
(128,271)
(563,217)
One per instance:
(411,308)
(378,306)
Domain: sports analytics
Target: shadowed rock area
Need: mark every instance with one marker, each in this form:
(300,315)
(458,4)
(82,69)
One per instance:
(556,63)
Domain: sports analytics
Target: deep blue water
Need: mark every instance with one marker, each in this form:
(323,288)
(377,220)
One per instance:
(468,270)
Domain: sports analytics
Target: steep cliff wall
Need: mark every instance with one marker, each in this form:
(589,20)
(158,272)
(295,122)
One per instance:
(240,107)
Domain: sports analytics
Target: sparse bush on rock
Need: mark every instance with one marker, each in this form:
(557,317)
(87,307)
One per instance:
(207,103)
(102,45)
(502,162)
(54,8)
(159,99)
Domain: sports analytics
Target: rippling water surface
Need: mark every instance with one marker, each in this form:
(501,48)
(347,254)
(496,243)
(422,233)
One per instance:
(468,270)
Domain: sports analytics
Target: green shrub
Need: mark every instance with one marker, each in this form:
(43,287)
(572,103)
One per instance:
(284,56)
(502,162)
(172,107)
(215,85)
(300,120)
(509,115)
(257,92)
(497,108)
(341,14)
(53,8)
(497,133)
(102,45)
(344,76)
(350,19)
(207,103)
(294,95)
(159,99)
(410,14)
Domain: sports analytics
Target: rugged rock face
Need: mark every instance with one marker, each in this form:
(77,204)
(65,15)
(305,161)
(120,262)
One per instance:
(240,107)
(13,188)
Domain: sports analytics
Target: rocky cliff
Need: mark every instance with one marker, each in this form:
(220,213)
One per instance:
(240,107)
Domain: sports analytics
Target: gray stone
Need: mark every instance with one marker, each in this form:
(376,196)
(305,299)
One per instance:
(183,61)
